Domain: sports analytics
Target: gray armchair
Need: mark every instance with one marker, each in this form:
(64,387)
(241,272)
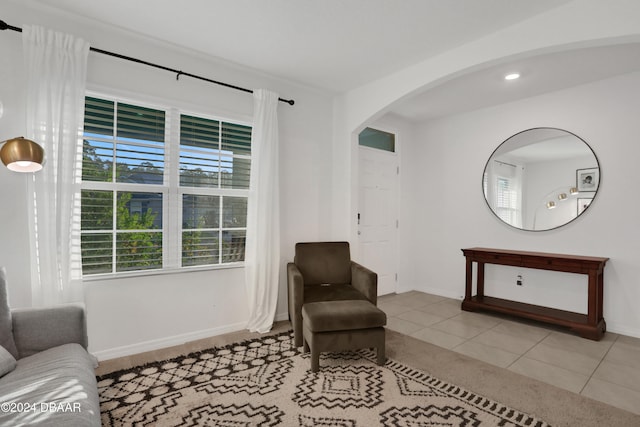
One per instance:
(324,271)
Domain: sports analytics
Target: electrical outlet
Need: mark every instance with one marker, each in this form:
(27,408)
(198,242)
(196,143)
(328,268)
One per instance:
(519,280)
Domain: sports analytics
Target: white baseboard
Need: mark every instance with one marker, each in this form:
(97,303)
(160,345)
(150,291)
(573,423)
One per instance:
(160,343)
(157,344)
(622,329)
(442,292)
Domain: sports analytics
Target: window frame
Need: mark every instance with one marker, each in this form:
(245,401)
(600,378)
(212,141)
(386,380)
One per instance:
(171,190)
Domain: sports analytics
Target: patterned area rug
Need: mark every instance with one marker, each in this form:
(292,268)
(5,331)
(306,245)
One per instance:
(266,382)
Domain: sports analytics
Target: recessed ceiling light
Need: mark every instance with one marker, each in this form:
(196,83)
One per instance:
(512,76)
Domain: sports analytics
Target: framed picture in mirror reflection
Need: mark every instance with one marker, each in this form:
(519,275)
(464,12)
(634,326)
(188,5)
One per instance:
(583,204)
(587,179)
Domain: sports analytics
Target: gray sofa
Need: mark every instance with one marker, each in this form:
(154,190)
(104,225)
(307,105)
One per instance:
(47,377)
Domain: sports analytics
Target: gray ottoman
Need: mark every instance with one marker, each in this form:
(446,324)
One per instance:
(342,325)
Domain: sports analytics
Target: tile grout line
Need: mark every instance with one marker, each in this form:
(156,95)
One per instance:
(520,356)
(524,354)
(529,349)
(599,363)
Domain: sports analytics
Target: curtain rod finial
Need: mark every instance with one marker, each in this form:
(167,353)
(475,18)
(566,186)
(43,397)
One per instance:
(5,26)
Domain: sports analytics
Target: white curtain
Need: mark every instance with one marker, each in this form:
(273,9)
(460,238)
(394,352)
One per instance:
(262,252)
(55,70)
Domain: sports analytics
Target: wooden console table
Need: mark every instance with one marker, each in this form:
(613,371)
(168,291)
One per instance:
(591,325)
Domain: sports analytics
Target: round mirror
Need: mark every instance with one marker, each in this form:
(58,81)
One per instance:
(541,179)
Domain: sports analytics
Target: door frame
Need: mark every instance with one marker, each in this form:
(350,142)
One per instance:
(356,193)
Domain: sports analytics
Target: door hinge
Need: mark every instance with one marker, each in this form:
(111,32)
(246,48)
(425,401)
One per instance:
(396,277)
(397,223)
(397,170)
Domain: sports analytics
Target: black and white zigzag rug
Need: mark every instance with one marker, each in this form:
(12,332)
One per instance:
(266,382)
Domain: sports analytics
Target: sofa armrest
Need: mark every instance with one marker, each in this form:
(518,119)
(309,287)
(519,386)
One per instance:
(365,281)
(38,329)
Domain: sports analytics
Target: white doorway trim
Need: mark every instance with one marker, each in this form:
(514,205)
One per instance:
(377,212)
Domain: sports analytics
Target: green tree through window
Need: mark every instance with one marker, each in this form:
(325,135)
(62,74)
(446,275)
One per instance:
(127,190)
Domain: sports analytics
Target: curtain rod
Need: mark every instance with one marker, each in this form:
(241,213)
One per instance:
(5,26)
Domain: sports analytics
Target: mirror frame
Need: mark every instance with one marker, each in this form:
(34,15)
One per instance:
(595,192)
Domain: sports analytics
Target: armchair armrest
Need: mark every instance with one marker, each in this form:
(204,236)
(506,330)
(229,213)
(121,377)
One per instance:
(365,281)
(295,289)
(38,329)
(295,285)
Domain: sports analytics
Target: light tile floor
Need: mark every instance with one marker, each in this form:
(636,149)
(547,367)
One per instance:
(607,370)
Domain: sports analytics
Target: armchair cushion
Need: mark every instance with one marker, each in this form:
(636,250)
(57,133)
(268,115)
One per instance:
(324,262)
(6,325)
(337,292)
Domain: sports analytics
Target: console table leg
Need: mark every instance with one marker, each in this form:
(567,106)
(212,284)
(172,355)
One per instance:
(468,280)
(600,313)
(592,308)
(480,284)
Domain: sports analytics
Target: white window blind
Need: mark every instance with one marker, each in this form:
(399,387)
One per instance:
(214,155)
(131,195)
(506,199)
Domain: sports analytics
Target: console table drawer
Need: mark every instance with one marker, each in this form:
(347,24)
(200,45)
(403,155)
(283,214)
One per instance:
(495,258)
(557,264)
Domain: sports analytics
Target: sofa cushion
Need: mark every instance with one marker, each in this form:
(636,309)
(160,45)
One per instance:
(6,326)
(7,362)
(342,316)
(61,378)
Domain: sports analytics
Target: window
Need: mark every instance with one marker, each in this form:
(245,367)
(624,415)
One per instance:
(502,185)
(154,199)
(506,200)
(378,139)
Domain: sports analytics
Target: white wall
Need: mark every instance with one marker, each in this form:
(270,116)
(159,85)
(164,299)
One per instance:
(579,23)
(135,314)
(455,149)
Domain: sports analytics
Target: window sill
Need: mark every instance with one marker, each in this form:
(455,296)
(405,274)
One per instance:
(160,272)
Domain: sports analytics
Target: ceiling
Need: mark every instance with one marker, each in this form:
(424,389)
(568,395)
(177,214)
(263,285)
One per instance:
(538,74)
(338,45)
(335,45)
(542,145)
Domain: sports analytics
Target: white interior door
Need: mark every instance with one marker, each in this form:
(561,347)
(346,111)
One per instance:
(377,211)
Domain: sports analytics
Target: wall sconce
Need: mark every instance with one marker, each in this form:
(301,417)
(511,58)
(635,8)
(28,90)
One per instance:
(562,196)
(573,191)
(22,155)
(551,205)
